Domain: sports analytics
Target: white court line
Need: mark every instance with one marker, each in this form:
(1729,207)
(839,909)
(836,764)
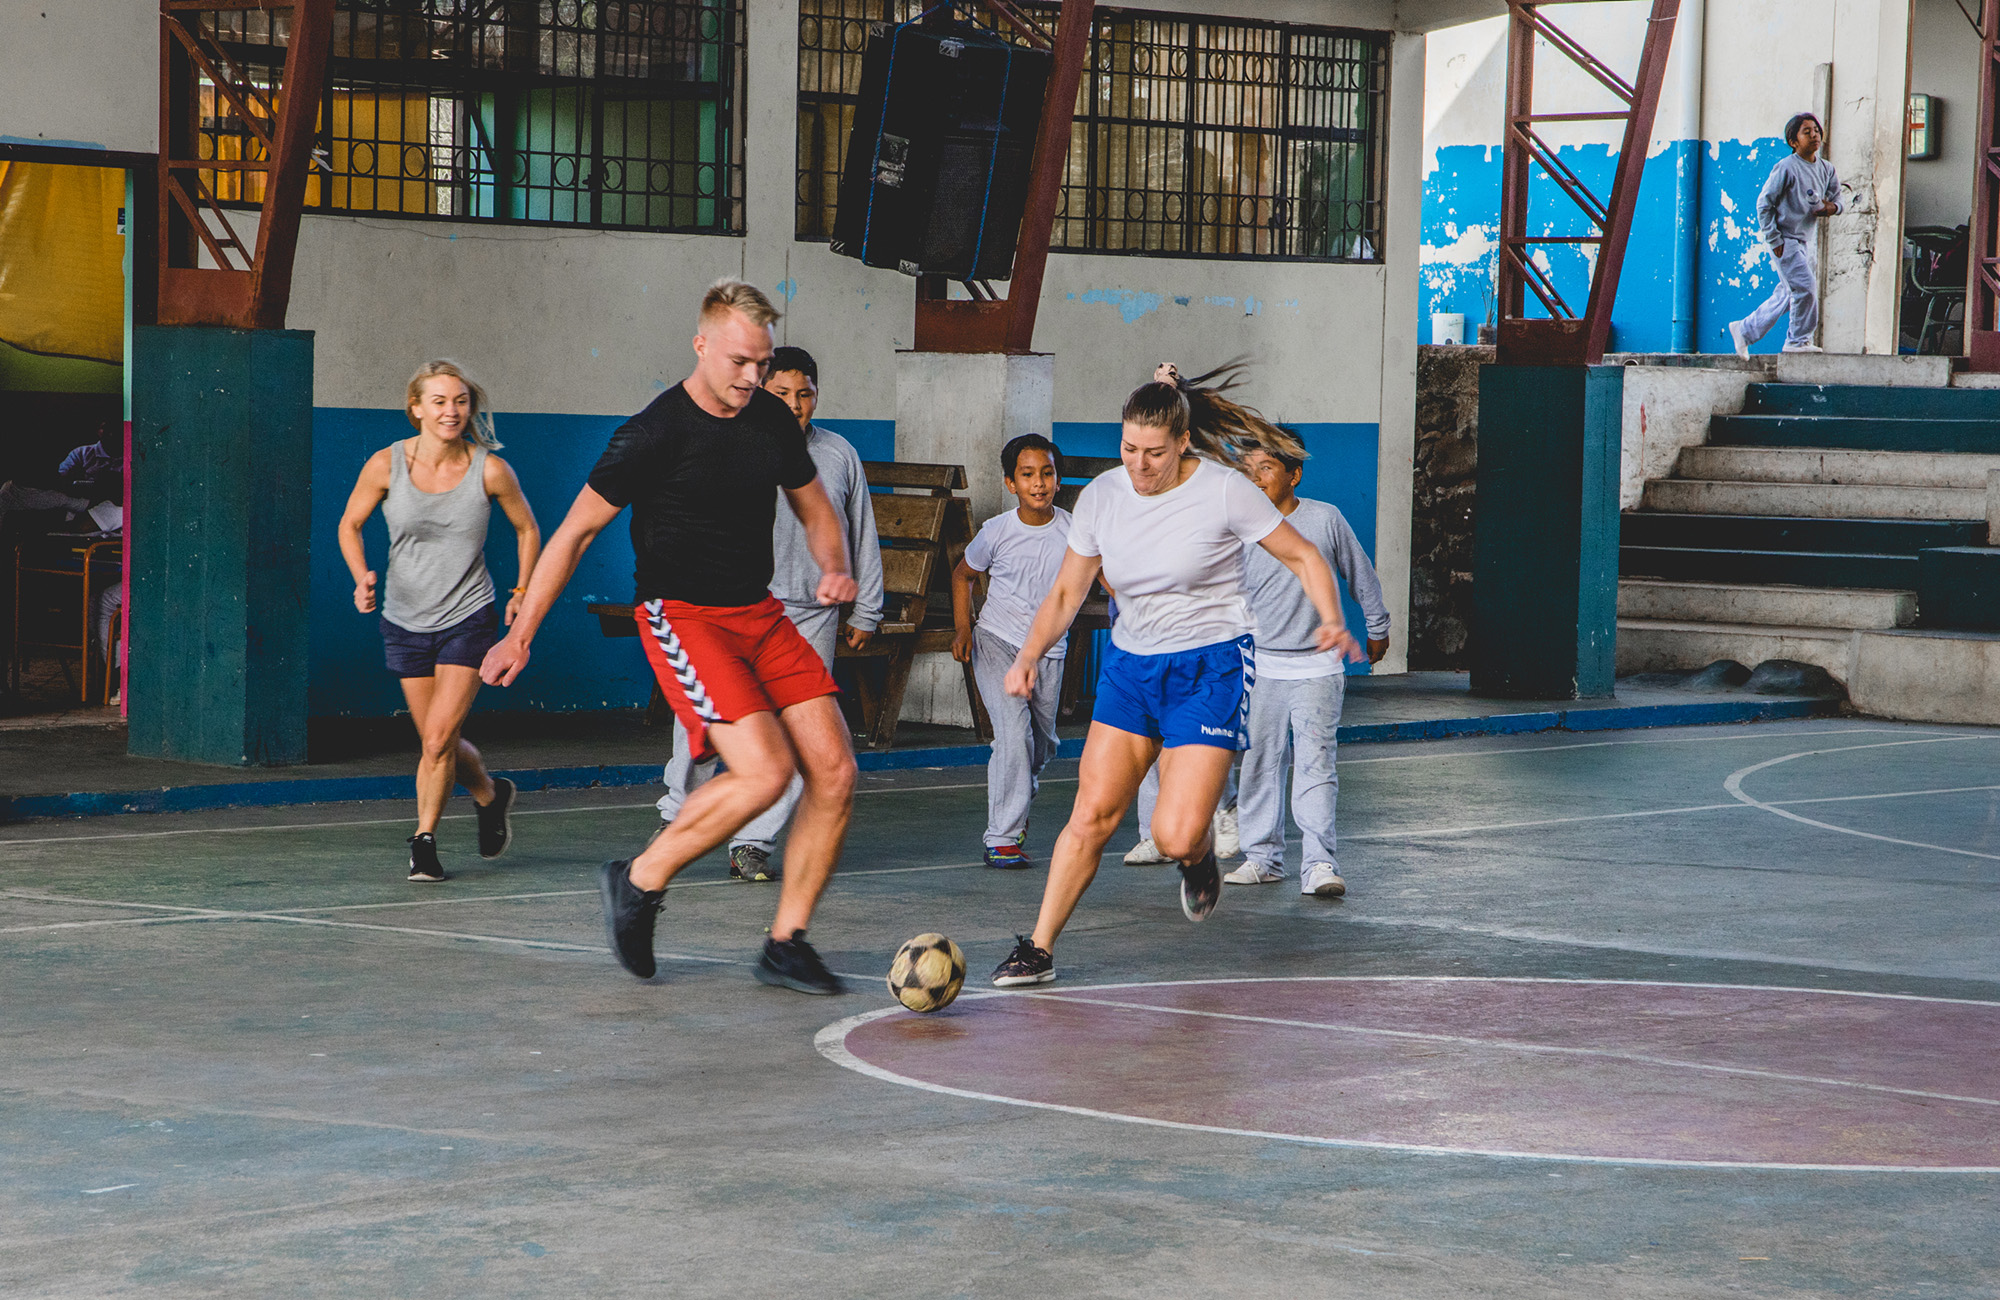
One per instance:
(1610,744)
(1734,785)
(209,913)
(1504,1045)
(450,817)
(832,1044)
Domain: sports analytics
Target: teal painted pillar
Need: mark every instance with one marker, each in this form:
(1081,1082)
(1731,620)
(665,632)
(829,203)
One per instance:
(219,543)
(1545,532)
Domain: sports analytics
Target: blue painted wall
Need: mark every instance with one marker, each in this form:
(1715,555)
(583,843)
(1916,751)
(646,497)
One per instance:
(575,666)
(1734,273)
(1341,470)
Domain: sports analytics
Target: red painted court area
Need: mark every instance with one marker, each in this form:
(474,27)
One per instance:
(1594,1070)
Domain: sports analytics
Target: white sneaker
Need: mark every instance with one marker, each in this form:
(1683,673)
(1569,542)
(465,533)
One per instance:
(1228,840)
(1254,873)
(1740,339)
(1802,347)
(1143,854)
(1322,880)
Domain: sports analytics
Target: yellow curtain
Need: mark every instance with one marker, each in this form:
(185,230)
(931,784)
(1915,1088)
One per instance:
(62,273)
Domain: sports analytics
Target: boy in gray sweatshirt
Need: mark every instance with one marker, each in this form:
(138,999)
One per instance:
(1802,190)
(1295,706)
(794,376)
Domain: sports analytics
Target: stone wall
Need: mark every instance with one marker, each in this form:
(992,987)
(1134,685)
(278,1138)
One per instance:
(1441,523)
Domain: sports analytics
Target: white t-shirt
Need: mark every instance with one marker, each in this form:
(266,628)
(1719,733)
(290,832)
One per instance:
(1020,561)
(1175,560)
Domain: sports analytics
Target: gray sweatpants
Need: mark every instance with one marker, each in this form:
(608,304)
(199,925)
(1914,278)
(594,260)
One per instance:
(1024,734)
(1796,292)
(1295,720)
(821,629)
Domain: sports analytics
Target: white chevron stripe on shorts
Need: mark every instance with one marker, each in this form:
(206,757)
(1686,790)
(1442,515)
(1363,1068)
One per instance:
(1249,681)
(677,659)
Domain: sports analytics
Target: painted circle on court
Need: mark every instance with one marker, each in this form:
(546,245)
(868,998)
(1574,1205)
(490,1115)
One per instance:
(1597,1070)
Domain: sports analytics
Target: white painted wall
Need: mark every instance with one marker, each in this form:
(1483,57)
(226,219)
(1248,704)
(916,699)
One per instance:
(1760,59)
(1944,63)
(80,72)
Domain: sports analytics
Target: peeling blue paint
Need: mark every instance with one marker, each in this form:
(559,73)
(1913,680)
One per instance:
(1214,301)
(1180,300)
(1461,231)
(1131,303)
(788,289)
(593,352)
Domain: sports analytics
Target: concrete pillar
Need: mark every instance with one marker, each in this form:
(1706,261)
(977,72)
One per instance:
(1545,532)
(219,544)
(958,408)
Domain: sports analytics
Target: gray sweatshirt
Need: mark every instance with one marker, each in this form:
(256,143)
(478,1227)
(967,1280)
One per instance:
(795,574)
(1786,205)
(1286,619)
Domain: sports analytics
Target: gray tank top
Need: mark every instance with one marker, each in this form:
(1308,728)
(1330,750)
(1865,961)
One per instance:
(437,548)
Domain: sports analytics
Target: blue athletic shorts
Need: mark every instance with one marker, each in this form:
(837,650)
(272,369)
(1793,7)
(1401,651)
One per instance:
(464,644)
(1189,697)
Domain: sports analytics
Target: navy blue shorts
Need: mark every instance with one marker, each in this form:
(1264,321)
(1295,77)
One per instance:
(465,643)
(1189,697)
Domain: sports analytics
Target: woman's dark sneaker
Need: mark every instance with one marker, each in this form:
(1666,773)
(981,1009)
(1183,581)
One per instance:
(1201,885)
(1027,964)
(496,829)
(629,912)
(424,868)
(749,862)
(793,964)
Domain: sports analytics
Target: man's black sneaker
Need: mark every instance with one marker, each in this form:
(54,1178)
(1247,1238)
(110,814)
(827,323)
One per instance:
(629,912)
(496,829)
(793,964)
(1201,885)
(424,868)
(749,862)
(1027,964)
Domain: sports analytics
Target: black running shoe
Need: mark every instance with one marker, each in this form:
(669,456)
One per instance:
(750,862)
(629,913)
(1027,964)
(424,868)
(1201,885)
(793,964)
(496,829)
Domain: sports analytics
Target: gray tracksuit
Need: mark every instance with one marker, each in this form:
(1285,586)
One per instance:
(1297,717)
(1787,219)
(795,577)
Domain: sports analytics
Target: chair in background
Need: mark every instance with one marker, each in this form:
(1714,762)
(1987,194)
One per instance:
(1934,278)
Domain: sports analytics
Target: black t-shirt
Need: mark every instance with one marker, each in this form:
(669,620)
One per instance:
(703,494)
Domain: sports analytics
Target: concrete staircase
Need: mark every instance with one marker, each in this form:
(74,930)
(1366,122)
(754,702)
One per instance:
(1819,516)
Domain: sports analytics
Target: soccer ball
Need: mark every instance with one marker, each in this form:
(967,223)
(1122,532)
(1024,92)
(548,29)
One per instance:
(927,973)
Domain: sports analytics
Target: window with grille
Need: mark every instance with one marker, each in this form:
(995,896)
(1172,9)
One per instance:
(615,113)
(1193,137)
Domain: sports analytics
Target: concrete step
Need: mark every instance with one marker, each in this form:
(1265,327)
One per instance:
(1894,403)
(1821,500)
(1836,465)
(1959,587)
(1875,371)
(1764,606)
(1770,568)
(1863,433)
(1647,645)
(1781,533)
(1924,676)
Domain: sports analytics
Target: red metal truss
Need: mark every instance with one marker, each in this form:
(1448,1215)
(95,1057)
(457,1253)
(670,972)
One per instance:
(991,323)
(1982,312)
(243,285)
(1565,336)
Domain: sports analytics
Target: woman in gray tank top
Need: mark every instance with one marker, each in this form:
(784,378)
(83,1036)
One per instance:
(438,616)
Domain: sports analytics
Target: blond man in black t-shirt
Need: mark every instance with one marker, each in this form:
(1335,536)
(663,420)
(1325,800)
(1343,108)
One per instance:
(699,467)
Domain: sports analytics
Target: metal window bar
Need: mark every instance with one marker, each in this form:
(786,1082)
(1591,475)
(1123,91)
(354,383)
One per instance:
(620,114)
(1193,137)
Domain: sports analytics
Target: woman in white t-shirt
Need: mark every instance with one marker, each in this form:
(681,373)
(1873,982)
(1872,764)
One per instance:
(1167,530)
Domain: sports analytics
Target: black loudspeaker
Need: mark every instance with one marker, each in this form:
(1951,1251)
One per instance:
(937,163)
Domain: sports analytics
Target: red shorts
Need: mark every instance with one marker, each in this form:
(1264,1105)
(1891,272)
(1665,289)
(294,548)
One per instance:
(722,663)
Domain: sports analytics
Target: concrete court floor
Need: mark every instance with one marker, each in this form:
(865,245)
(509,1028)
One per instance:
(242,1057)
